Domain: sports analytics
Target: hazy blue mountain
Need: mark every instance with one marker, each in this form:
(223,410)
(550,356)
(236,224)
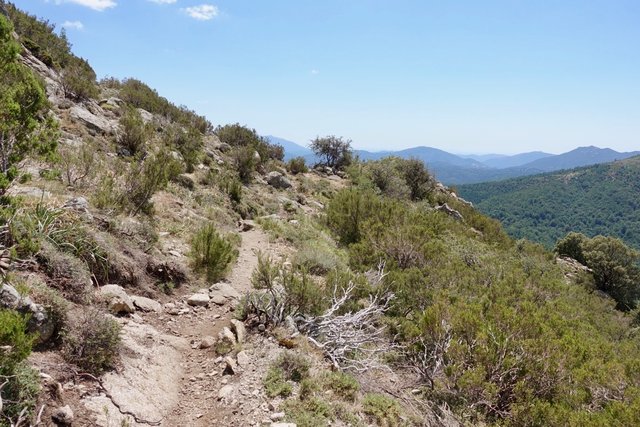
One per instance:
(291,149)
(582,156)
(454,169)
(515,160)
(482,158)
(428,155)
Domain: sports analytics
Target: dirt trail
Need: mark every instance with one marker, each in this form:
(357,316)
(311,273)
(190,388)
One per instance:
(168,380)
(202,377)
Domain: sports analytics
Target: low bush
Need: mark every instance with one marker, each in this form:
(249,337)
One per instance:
(287,367)
(134,132)
(79,80)
(232,187)
(78,165)
(295,366)
(290,291)
(68,274)
(92,341)
(276,384)
(20,384)
(146,178)
(342,384)
(297,165)
(383,410)
(318,258)
(311,412)
(188,142)
(245,162)
(211,253)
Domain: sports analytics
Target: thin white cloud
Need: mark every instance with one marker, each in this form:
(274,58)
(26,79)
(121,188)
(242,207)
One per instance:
(204,12)
(163,1)
(98,5)
(314,72)
(73,25)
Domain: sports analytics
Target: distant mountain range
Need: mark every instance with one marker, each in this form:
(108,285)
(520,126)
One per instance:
(452,169)
(598,199)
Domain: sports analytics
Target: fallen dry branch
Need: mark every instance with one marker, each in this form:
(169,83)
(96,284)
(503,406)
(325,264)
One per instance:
(352,341)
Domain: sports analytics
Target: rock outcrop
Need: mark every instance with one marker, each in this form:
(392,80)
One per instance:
(278,180)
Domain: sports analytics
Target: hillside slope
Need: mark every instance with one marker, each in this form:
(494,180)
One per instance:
(602,199)
(157,271)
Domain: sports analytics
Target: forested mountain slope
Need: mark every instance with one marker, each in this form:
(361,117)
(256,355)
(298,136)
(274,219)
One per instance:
(601,199)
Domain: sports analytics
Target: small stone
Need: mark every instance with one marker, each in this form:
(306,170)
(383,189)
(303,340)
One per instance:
(207,342)
(198,300)
(232,366)
(146,304)
(277,416)
(119,301)
(225,392)
(238,327)
(63,416)
(243,359)
(227,337)
(261,327)
(218,299)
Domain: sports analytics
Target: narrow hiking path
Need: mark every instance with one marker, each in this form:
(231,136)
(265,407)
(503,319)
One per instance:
(202,378)
(171,373)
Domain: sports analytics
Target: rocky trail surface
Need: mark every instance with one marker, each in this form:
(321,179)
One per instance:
(172,374)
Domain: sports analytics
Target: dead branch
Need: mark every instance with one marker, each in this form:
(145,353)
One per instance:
(352,341)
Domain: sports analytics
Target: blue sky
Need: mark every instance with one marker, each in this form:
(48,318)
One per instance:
(466,76)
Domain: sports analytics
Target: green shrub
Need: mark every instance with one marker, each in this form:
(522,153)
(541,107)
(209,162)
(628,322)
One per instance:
(211,253)
(55,305)
(68,273)
(302,294)
(347,212)
(232,187)
(189,144)
(78,164)
(245,162)
(134,132)
(571,246)
(92,341)
(384,410)
(276,384)
(25,128)
(107,195)
(290,292)
(21,388)
(79,80)
(312,412)
(140,95)
(317,258)
(297,165)
(309,387)
(344,385)
(146,178)
(13,333)
(294,366)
